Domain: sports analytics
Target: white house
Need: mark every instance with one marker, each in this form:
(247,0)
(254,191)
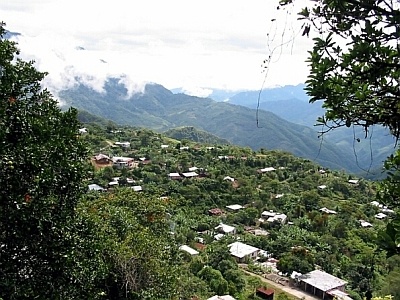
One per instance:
(365,223)
(321,284)
(121,162)
(268,169)
(95,187)
(190,174)
(82,130)
(234,207)
(123,144)
(225,229)
(241,252)
(271,216)
(174,176)
(189,250)
(328,211)
(380,216)
(229,178)
(137,188)
(353,181)
(322,187)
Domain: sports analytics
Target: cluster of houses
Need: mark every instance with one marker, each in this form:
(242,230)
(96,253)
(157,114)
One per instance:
(321,284)
(318,283)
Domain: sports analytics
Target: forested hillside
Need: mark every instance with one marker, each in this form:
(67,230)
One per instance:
(335,239)
(159,109)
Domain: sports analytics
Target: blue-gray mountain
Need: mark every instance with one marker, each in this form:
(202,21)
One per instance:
(159,109)
(292,104)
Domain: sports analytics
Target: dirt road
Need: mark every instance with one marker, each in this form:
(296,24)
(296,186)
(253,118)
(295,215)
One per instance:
(287,289)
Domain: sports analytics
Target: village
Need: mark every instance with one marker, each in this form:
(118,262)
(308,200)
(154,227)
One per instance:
(249,203)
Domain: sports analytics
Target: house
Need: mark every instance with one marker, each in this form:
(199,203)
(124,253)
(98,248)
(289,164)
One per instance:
(321,284)
(265,293)
(174,176)
(328,211)
(123,144)
(215,212)
(260,232)
(234,207)
(271,216)
(225,297)
(353,181)
(242,252)
(95,187)
(189,250)
(229,178)
(184,148)
(380,216)
(268,169)
(277,196)
(82,130)
(218,236)
(321,187)
(102,159)
(121,162)
(164,146)
(225,229)
(137,188)
(376,203)
(192,169)
(190,174)
(365,224)
(387,210)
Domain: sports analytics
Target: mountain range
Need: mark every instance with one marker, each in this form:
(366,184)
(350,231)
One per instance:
(160,109)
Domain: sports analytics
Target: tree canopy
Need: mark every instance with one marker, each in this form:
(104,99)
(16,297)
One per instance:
(355,61)
(355,70)
(42,168)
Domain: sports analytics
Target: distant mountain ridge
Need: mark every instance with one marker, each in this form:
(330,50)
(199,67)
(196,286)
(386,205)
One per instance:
(292,104)
(159,109)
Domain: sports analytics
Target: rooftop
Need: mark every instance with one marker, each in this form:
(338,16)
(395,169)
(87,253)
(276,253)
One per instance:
(240,250)
(189,250)
(190,174)
(322,280)
(234,207)
(225,228)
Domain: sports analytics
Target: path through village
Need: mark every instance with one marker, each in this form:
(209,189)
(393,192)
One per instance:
(287,289)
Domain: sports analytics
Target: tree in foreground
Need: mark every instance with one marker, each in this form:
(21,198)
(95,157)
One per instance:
(42,166)
(355,71)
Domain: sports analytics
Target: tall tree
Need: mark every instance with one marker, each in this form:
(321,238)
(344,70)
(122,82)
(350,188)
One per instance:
(355,71)
(42,165)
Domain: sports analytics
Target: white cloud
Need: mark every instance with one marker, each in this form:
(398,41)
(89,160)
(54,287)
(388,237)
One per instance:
(176,43)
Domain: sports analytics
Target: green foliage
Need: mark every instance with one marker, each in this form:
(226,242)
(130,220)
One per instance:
(354,69)
(132,230)
(358,82)
(42,169)
(195,135)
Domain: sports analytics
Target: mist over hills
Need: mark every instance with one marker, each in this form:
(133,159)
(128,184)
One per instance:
(159,109)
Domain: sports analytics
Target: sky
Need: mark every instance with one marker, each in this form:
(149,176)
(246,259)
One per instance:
(194,45)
